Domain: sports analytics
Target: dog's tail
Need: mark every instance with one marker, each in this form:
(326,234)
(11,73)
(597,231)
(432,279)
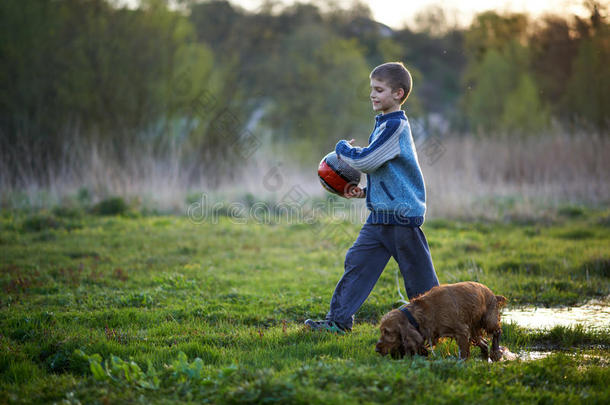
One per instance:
(500,301)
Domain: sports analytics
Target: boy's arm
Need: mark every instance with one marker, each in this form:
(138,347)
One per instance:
(385,147)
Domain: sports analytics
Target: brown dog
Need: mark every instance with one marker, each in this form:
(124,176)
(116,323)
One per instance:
(461,311)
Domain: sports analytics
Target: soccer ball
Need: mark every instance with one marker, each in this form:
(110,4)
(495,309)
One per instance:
(336,176)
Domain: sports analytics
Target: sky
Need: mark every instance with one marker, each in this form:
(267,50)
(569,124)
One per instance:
(395,13)
(398,13)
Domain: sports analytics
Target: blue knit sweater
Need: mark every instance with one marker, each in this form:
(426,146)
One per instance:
(395,192)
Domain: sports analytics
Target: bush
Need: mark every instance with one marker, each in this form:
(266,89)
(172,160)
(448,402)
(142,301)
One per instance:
(110,206)
(39,222)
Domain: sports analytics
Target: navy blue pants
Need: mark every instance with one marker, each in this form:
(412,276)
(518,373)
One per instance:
(368,256)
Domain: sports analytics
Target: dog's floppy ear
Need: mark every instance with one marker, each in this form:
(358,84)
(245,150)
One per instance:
(500,301)
(412,340)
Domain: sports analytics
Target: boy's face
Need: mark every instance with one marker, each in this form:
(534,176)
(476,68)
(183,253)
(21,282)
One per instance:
(383,98)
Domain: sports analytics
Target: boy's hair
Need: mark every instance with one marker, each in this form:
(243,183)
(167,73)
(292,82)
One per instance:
(396,75)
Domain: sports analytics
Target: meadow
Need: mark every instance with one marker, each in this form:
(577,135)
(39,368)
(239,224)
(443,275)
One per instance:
(118,117)
(135,308)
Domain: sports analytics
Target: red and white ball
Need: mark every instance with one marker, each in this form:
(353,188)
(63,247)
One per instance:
(336,176)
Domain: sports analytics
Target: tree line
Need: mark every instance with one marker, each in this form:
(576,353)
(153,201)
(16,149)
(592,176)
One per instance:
(203,74)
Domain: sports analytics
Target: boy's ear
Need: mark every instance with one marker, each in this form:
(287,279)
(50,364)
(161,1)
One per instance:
(400,92)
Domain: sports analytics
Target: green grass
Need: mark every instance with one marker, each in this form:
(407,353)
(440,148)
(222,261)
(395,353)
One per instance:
(82,296)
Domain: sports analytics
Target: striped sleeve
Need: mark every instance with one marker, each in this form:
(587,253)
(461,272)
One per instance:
(385,147)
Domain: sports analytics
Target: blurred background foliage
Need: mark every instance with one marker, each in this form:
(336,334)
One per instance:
(194,77)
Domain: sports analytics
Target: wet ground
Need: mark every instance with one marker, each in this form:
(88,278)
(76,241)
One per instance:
(529,355)
(594,315)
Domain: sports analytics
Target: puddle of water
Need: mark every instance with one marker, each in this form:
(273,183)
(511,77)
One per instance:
(523,355)
(532,355)
(594,315)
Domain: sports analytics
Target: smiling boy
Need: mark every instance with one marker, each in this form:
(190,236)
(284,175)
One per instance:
(395,195)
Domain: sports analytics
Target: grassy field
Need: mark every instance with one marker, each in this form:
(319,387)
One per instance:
(157,309)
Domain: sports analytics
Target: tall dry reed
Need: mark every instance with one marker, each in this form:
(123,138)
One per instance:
(472,178)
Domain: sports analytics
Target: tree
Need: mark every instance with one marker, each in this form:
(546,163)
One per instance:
(589,86)
(484,99)
(490,30)
(316,98)
(501,93)
(523,111)
(553,48)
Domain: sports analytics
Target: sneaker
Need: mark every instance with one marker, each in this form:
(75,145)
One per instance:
(327,326)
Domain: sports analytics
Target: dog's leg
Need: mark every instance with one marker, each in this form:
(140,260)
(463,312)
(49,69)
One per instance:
(482,343)
(496,354)
(464,346)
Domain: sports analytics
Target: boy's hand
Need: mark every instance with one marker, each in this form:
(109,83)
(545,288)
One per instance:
(355,192)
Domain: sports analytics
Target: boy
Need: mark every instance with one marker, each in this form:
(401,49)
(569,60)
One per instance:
(396,197)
